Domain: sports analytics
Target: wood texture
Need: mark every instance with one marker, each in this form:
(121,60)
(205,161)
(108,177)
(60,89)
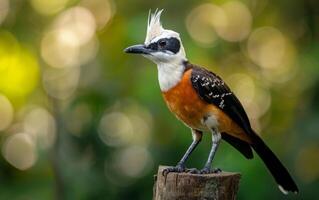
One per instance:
(185,186)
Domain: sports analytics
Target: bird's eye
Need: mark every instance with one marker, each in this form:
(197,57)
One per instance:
(162,43)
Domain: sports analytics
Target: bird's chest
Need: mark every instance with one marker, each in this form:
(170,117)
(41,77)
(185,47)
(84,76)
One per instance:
(184,102)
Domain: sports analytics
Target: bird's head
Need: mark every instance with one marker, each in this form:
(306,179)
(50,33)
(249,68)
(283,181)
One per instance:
(161,46)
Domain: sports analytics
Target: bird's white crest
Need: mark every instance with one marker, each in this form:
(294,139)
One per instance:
(154,26)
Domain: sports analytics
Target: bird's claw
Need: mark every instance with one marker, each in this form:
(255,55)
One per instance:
(177,169)
(181,168)
(205,170)
(193,171)
(209,170)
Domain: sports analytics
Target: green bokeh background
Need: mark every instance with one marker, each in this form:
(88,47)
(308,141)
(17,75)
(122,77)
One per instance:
(81,165)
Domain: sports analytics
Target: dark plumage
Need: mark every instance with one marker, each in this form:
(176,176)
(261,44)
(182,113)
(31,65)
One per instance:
(212,89)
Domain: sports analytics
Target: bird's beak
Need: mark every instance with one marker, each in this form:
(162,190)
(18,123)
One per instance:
(137,49)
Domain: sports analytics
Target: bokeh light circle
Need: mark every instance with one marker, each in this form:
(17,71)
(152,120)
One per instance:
(237,25)
(102,10)
(71,40)
(231,21)
(20,151)
(270,49)
(61,83)
(115,129)
(200,23)
(77,25)
(133,161)
(40,124)
(57,53)
(266,47)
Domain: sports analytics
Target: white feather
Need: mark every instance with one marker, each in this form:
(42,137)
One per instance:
(169,75)
(154,26)
(282,190)
(211,122)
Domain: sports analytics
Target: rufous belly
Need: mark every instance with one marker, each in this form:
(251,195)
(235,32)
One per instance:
(185,103)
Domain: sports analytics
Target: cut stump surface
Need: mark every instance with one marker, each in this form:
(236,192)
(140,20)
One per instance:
(186,186)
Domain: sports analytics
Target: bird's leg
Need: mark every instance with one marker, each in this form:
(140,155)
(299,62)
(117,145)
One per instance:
(180,167)
(216,137)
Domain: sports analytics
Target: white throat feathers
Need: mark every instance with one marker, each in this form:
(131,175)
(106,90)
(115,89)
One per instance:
(169,75)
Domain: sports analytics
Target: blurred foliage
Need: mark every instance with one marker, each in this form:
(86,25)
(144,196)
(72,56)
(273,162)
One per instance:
(79,119)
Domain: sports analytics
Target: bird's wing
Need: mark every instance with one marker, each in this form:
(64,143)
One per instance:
(212,89)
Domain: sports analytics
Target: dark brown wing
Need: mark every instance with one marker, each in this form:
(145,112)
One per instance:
(212,89)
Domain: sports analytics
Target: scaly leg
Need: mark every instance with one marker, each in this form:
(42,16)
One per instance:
(180,167)
(216,137)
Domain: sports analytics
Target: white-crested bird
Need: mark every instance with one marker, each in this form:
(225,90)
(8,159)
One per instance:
(204,102)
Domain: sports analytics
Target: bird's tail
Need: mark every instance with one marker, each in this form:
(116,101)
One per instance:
(279,172)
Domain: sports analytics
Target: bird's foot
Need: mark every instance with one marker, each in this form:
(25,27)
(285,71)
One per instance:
(177,169)
(193,171)
(209,170)
(205,170)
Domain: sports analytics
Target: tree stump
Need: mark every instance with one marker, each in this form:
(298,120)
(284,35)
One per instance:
(186,186)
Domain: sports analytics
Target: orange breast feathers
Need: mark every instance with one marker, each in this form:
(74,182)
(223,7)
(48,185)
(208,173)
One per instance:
(185,103)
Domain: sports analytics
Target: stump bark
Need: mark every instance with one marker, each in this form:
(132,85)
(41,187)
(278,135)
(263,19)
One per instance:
(185,186)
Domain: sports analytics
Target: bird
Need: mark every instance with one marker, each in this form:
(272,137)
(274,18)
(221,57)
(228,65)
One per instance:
(204,103)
